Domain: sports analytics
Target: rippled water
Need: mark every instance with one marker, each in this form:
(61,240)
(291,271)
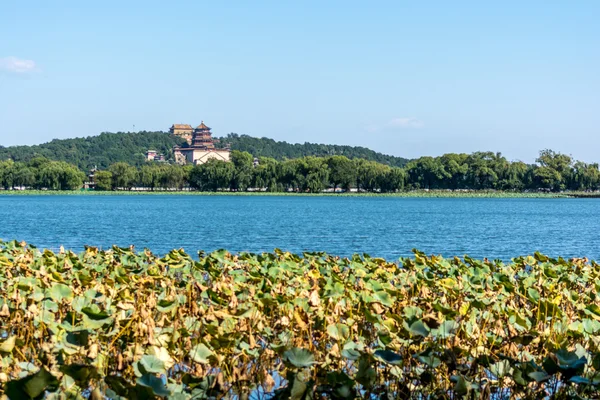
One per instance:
(385,227)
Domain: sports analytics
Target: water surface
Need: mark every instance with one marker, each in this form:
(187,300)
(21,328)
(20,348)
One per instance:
(386,227)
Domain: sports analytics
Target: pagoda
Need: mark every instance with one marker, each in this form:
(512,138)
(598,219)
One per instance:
(202,137)
(201,148)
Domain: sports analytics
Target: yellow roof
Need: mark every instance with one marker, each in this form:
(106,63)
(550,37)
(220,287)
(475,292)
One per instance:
(202,126)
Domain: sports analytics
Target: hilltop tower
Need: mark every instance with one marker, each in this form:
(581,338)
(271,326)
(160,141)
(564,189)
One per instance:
(200,148)
(202,137)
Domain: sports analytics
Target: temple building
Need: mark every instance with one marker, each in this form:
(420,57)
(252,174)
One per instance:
(182,130)
(200,148)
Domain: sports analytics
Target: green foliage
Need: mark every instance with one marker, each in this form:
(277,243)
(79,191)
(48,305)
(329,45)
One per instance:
(265,147)
(122,324)
(212,175)
(309,168)
(123,176)
(242,174)
(103,180)
(98,151)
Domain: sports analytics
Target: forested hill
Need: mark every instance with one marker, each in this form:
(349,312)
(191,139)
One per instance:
(109,148)
(266,147)
(101,151)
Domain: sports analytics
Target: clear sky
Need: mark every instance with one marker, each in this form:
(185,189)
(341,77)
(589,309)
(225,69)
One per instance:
(405,78)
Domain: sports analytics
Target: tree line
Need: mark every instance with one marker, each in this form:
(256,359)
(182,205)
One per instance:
(477,171)
(40,173)
(280,150)
(103,150)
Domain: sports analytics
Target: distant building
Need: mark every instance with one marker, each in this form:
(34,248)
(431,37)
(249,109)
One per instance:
(91,179)
(183,130)
(200,149)
(152,155)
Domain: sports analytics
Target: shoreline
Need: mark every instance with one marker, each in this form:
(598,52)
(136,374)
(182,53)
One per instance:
(408,194)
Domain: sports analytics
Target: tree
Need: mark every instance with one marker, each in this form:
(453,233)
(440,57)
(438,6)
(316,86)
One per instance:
(59,175)
(243,163)
(516,177)
(103,180)
(149,176)
(267,174)
(315,173)
(555,170)
(124,176)
(484,170)
(212,175)
(24,176)
(372,175)
(171,177)
(393,180)
(342,172)
(291,175)
(7,171)
(426,173)
(585,176)
(456,168)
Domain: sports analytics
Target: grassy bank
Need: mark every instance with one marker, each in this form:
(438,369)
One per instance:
(407,194)
(278,325)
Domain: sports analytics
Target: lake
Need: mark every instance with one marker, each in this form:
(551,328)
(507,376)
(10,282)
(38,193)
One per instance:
(386,227)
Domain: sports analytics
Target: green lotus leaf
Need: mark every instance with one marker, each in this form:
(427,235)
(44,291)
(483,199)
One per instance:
(412,312)
(446,329)
(59,292)
(338,331)
(418,328)
(388,357)
(200,353)
(79,303)
(539,376)
(157,385)
(594,310)
(383,298)
(30,387)
(350,353)
(501,369)
(366,374)
(590,326)
(580,380)
(520,377)
(568,358)
(166,305)
(430,360)
(461,385)
(151,364)
(300,358)
(94,312)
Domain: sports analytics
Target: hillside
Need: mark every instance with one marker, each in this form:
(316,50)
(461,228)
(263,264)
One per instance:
(101,151)
(266,147)
(109,148)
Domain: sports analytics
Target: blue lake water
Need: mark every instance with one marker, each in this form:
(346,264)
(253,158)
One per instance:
(385,227)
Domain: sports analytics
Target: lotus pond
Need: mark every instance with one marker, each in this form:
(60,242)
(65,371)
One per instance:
(122,324)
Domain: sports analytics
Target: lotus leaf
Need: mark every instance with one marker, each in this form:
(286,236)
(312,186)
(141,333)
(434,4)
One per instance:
(388,357)
(157,385)
(59,292)
(200,353)
(300,358)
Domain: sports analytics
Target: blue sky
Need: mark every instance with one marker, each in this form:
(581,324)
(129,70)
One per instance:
(404,78)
